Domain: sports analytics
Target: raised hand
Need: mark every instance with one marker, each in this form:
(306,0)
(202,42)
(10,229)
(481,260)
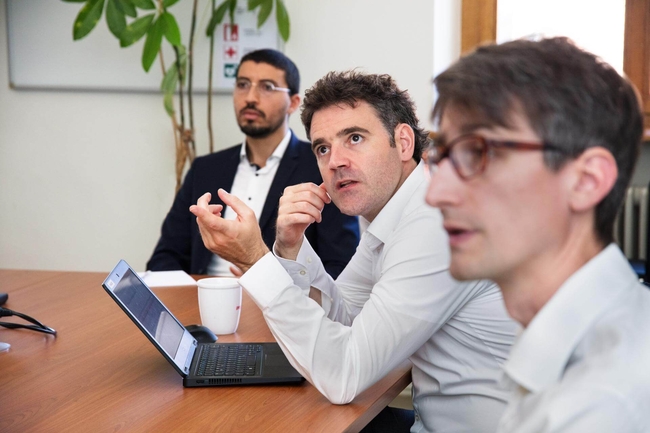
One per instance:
(300,206)
(238,241)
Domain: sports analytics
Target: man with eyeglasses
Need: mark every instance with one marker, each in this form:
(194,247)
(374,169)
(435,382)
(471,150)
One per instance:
(270,159)
(538,141)
(395,300)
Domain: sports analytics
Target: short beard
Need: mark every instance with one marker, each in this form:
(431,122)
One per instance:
(260,131)
(255,131)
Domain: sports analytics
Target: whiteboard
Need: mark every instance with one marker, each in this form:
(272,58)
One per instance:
(42,54)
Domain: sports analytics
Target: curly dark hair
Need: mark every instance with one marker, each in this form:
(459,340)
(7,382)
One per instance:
(392,105)
(571,99)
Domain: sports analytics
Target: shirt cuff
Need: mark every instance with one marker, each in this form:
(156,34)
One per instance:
(307,270)
(298,272)
(265,280)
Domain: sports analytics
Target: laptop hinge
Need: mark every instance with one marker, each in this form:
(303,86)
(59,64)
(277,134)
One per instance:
(190,356)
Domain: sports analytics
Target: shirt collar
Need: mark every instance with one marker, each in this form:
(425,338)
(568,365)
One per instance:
(390,215)
(541,353)
(277,153)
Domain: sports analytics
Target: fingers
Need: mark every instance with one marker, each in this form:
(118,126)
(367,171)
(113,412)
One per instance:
(324,188)
(208,215)
(236,204)
(215,209)
(302,219)
(301,205)
(204,200)
(238,241)
(308,193)
(298,213)
(236,271)
(202,205)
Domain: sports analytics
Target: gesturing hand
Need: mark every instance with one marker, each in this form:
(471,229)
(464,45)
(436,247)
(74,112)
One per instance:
(300,206)
(238,241)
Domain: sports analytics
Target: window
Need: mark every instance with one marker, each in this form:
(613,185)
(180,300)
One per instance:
(629,20)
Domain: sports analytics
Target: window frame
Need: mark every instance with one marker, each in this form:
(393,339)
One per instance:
(479,26)
(636,53)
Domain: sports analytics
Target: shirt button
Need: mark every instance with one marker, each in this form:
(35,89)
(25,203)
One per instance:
(308,259)
(302,272)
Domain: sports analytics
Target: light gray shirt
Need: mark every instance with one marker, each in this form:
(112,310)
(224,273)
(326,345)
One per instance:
(583,363)
(395,300)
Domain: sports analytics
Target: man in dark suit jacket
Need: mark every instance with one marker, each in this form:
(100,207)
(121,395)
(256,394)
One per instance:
(266,93)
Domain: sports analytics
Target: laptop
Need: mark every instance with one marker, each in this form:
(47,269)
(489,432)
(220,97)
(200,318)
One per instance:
(200,364)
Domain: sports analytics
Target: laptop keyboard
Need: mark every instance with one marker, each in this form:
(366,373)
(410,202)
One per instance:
(229,359)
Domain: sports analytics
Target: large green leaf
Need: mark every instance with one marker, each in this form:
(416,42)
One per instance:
(152,44)
(127,7)
(252,4)
(115,18)
(168,3)
(282,17)
(134,31)
(265,11)
(144,4)
(217,17)
(170,28)
(87,19)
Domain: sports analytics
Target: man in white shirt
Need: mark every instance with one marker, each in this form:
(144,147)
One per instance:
(395,300)
(537,145)
(270,159)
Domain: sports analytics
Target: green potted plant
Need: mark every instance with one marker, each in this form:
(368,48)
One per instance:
(131,20)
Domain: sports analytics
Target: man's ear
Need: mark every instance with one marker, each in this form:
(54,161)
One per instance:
(595,174)
(294,103)
(405,141)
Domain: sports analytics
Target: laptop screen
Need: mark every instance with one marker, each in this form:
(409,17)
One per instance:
(150,312)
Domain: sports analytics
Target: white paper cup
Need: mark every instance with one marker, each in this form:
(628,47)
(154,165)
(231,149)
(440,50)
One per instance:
(220,304)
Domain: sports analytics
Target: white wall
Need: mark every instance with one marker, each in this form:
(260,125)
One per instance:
(86,178)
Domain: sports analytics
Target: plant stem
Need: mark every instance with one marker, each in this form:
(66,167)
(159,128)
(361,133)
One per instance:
(190,104)
(180,88)
(178,142)
(210,134)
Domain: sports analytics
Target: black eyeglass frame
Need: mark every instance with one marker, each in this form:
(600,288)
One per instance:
(439,151)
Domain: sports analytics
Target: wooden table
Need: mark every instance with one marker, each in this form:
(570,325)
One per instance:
(102,374)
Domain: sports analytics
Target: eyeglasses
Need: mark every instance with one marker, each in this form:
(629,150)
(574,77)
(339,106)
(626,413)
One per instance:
(37,326)
(264,88)
(469,153)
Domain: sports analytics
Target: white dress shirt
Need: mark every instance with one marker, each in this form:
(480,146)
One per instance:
(251,185)
(583,363)
(394,300)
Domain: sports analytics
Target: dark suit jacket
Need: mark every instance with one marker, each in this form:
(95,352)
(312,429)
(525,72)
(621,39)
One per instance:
(181,247)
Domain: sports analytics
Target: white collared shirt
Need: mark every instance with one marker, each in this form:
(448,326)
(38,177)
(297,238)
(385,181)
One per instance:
(395,300)
(583,363)
(252,185)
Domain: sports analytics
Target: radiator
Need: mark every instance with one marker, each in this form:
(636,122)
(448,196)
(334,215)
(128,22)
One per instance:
(631,227)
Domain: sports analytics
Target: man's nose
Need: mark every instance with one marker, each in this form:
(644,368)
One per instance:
(442,185)
(252,95)
(338,157)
